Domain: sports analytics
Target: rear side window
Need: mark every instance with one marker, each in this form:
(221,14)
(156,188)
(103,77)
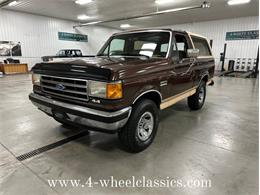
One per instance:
(202,45)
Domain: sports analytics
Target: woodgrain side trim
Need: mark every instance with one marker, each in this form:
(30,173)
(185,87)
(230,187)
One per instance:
(174,99)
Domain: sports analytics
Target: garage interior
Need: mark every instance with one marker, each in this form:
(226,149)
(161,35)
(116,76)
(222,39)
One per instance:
(218,143)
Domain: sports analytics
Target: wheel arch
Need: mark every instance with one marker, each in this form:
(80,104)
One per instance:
(151,94)
(204,77)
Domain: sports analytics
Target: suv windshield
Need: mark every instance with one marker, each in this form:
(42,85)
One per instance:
(148,44)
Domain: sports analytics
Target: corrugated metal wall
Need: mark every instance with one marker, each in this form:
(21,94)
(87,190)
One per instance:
(216,30)
(39,35)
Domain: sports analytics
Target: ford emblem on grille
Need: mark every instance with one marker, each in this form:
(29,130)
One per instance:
(60,87)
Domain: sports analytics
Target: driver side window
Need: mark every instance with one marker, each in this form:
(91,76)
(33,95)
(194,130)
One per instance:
(175,53)
(180,47)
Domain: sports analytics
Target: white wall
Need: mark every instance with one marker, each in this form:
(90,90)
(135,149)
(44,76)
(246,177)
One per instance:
(217,29)
(39,35)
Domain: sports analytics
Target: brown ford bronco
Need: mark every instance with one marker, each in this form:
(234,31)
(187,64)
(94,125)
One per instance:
(122,90)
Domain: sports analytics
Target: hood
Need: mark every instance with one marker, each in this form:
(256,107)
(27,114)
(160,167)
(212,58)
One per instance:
(102,67)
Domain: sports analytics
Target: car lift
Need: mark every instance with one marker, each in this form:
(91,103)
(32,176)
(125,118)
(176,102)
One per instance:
(241,70)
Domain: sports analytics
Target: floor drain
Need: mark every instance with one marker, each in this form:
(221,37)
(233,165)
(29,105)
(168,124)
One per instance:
(50,146)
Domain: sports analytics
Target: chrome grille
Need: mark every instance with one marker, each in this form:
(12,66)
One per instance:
(65,87)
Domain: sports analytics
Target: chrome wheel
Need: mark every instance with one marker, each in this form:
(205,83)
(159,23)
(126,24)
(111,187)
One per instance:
(145,126)
(201,95)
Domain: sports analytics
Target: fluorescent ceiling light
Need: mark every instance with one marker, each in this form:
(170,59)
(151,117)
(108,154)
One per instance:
(83,2)
(160,2)
(204,5)
(13,3)
(125,25)
(83,17)
(236,2)
(96,22)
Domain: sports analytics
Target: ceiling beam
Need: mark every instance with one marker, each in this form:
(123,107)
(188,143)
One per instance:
(202,6)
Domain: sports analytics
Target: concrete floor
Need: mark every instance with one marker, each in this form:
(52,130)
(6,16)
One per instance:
(219,142)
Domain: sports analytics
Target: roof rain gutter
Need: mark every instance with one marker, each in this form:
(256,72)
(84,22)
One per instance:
(203,5)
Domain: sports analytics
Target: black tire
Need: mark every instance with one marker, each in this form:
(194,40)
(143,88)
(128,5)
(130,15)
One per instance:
(129,136)
(196,101)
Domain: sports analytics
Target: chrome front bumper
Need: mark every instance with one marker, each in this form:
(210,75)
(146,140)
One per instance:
(109,121)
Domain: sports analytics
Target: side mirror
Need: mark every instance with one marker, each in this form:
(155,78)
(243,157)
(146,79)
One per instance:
(193,53)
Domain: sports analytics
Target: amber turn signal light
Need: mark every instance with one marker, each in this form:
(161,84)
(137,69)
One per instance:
(114,91)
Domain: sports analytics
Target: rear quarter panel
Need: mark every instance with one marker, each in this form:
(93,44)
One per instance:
(205,66)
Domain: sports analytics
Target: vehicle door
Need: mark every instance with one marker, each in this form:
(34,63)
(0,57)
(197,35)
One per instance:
(182,67)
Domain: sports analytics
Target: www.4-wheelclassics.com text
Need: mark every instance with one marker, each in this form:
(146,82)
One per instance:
(131,182)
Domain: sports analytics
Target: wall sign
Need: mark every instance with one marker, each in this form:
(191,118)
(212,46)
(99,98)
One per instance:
(242,35)
(10,48)
(72,37)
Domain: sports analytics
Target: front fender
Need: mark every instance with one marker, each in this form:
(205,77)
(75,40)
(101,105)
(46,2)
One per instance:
(145,90)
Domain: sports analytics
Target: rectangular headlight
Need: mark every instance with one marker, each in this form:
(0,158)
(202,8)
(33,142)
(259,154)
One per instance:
(105,90)
(36,79)
(97,89)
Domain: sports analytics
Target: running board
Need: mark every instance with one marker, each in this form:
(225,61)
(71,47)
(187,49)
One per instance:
(173,100)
